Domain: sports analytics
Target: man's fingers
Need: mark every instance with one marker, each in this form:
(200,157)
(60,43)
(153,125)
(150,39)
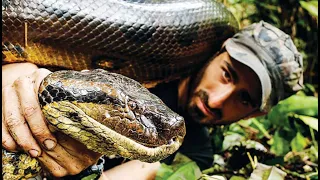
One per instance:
(61,156)
(74,154)
(32,112)
(38,76)
(7,141)
(16,124)
(52,166)
(77,149)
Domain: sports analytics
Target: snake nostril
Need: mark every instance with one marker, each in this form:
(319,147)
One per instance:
(171,141)
(175,139)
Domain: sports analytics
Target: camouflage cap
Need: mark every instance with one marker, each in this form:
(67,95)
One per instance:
(272,55)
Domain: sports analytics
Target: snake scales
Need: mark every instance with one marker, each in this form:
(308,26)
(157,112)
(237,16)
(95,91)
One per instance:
(147,40)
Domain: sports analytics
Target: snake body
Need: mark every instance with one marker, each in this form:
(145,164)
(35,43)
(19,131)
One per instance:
(147,40)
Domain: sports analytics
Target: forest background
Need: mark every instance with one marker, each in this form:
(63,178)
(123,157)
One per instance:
(284,143)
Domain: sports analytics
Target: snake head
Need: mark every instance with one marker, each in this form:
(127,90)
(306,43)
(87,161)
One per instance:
(112,107)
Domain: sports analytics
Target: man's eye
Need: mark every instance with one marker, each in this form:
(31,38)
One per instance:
(245,98)
(226,75)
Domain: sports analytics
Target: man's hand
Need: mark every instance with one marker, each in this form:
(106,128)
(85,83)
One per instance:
(24,126)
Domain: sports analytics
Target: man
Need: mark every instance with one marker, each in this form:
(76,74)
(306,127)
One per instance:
(254,70)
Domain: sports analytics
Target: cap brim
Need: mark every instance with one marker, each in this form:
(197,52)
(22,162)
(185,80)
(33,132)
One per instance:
(244,55)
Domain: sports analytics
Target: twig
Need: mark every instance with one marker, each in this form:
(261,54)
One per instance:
(251,129)
(295,174)
(253,164)
(261,128)
(315,143)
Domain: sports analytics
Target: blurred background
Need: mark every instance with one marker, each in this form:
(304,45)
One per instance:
(284,143)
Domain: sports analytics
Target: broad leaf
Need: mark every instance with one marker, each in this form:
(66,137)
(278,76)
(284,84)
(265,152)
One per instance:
(164,172)
(237,178)
(180,158)
(310,121)
(299,142)
(311,7)
(280,146)
(301,105)
(188,170)
(265,172)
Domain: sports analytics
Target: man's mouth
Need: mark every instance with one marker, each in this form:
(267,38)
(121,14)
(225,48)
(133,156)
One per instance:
(204,109)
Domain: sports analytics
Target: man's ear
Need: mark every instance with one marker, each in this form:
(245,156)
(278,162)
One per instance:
(256,114)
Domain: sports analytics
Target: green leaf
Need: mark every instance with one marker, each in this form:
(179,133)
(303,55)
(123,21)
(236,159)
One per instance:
(301,105)
(180,158)
(280,145)
(265,172)
(312,153)
(307,105)
(310,121)
(311,7)
(236,128)
(237,178)
(262,126)
(164,172)
(188,170)
(299,142)
(313,176)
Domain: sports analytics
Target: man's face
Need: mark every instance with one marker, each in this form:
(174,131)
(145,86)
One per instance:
(224,92)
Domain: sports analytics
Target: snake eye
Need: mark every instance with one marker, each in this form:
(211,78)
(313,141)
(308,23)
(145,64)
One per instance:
(132,105)
(161,108)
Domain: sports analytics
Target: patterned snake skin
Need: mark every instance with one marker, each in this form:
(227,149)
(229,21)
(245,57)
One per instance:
(147,40)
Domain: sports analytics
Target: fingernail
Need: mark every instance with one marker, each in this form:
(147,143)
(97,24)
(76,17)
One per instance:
(33,153)
(49,144)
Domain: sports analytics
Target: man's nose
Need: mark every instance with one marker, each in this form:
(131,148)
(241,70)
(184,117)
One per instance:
(218,98)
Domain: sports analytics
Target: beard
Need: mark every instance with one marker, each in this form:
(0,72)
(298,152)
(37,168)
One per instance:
(197,115)
(194,112)
(192,109)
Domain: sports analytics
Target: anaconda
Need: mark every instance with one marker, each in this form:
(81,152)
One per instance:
(147,40)
(107,112)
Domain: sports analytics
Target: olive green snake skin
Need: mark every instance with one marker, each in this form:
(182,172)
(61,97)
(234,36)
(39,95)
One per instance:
(150,41)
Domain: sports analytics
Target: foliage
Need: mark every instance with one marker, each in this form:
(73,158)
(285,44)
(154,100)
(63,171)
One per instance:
(283,143)
(182,168)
